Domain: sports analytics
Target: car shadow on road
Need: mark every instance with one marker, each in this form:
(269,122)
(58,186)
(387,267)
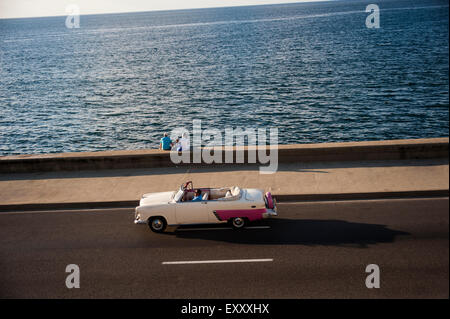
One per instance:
(298,232)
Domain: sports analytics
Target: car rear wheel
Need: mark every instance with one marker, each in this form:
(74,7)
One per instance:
(238,222)
(157,224)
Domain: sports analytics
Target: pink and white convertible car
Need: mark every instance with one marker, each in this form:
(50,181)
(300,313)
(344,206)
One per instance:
(218,205)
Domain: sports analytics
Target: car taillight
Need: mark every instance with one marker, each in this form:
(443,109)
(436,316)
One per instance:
(269,200)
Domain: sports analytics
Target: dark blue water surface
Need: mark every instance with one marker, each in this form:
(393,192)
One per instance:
(312,69)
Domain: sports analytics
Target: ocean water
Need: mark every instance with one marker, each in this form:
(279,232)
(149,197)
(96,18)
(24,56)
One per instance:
(313,70)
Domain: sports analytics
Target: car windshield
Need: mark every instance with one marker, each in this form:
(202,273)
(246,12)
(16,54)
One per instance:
(178,194)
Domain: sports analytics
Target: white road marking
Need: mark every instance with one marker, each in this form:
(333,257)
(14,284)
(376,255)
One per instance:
(222,228)
(74,210)
(257,227)
(216,261)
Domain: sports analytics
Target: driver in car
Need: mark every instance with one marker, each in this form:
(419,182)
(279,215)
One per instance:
(198,196)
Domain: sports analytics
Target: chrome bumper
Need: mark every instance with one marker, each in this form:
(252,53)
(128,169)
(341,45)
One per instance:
(270,213)
(137,219)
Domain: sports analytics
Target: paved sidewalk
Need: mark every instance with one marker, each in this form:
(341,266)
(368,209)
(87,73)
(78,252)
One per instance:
(291,179)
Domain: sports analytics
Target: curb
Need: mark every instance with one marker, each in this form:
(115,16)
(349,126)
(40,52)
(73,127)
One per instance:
(361,196)
(280,198)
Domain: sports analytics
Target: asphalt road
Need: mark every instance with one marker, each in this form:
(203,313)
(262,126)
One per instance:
(311,250)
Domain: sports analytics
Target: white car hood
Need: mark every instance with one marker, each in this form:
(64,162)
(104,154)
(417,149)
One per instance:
(156,198)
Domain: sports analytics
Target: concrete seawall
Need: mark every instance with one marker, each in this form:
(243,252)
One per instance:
(325,152)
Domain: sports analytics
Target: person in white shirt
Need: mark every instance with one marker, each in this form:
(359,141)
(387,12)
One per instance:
(177,145)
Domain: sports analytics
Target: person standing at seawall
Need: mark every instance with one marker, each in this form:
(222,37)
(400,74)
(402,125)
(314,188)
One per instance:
(165,143)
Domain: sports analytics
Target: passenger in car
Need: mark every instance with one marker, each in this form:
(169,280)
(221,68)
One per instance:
(198,196)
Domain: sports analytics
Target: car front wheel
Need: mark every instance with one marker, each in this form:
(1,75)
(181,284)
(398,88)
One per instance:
(157,224)
(238,222)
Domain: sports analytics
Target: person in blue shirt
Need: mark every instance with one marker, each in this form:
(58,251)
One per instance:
(198,196)
(165,143)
